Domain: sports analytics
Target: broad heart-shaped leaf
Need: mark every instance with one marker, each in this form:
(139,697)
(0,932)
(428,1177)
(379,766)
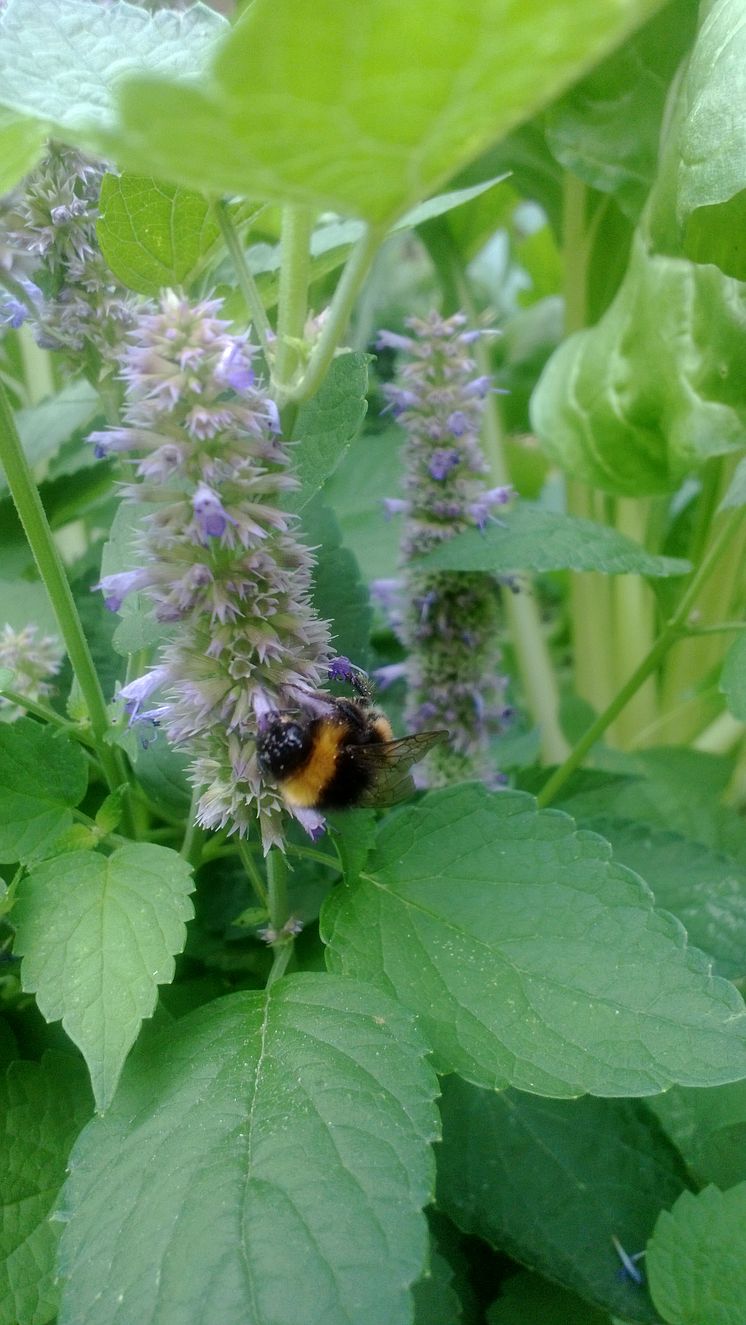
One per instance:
(406,93)
(652,391)
(42,776)
(98,935)
(42,1108)
(711,142)
(71,95)
(708,1128)
(327,425)
(606,129)
(527,1298)
(153,235)
(550,1181)
(532,539)
(265,1160)
(532,958)
(704,889)
(733,679)
(696,1258)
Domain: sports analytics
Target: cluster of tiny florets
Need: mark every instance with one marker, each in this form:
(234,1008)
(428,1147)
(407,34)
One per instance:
(72,300)
(447,620)
(220,559)
(33,659)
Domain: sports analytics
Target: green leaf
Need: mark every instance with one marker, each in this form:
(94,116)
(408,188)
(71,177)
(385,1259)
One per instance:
(708,1127)
(153,235)
(526,1299)
(137,628)
(736,494)
(74,96)
(704,889)
(711,142)
(43,428)
(551,1181)
(42,776)
(98,935)
(370,472)
(42,1108)
(21,145)
(298,92)
(532,958)
(606,129)
(266,1157)
(529,538)
(696,1258)
(733,679)
(328,424)
(339,594)
(652,391)
(436,1301)
(162,773)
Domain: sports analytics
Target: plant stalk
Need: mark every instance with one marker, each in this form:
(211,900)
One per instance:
(245,278)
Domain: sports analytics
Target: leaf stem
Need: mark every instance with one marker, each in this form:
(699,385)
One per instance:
(245,278)
(277,905)
(49,564)
(47,714)
(668,636)
(356,269)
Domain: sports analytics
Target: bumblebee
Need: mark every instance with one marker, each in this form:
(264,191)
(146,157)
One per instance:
(343,755)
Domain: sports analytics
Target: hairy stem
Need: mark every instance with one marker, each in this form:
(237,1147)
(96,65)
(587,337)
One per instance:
(49,564)
(292,301)
(348,288)
(277,904)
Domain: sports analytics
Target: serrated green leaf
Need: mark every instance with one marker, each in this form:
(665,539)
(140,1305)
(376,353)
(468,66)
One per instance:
(153,235)
(162,773)
(266,1157)
(44,428)
(733,678)
(550,1181)
(711,142)
(356,95)
(696,1259)
(73,98)
(42,776)
(327,425)
(652,391)
(97,936)
(436,1301)
(529,538)
(606,129)
(531,957)
(526,1299)
(42,1108)
(704,889)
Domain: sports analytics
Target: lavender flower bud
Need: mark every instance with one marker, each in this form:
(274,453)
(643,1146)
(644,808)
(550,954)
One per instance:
(53,232)
(449,622)
(222,559)
(33,659)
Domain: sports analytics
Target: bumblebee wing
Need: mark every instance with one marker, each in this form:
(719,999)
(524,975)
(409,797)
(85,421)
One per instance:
(390,762)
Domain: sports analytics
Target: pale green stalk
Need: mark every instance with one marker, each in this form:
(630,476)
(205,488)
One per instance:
(292,300)
(246,283)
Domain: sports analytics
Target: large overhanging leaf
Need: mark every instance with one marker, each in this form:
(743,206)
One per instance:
(365,108)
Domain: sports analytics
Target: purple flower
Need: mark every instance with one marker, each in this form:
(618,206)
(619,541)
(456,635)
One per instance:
(449,621)
(222,561)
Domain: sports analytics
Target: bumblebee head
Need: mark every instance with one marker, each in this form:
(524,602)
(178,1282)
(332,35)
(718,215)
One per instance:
(283,745)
